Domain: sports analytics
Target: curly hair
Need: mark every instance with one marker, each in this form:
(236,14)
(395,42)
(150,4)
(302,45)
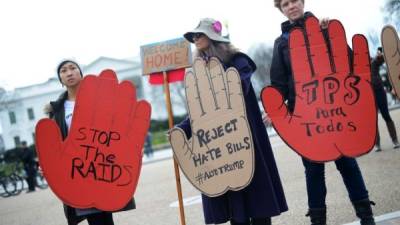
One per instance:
(277,4)
(223,51)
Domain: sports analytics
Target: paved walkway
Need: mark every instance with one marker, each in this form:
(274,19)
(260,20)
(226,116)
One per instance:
(386,219)
(156,193)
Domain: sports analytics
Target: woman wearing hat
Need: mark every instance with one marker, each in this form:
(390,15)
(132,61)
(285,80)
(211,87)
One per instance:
(70,75)
(264,197)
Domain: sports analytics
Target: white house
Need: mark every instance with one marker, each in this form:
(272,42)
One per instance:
(21,108)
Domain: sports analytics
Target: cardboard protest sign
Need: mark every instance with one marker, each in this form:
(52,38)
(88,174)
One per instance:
(165,56)
(219,156)
(391,52)
(335,113)
(98,164)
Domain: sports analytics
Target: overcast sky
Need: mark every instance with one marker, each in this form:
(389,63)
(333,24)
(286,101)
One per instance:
(36,35)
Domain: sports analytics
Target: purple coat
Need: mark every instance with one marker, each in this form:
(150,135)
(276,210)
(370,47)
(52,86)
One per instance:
(264,196)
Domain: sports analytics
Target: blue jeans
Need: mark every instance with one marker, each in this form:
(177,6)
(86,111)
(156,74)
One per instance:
(382,104)
(102,218)
(315,179)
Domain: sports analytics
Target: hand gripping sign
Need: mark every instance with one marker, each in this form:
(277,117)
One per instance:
(98,164)
(219,156)
(335,112)
(391,52)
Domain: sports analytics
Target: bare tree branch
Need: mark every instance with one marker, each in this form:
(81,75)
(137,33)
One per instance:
(392,12)
(262,56)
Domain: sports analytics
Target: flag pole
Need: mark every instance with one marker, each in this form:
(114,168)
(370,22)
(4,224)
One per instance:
(176,167)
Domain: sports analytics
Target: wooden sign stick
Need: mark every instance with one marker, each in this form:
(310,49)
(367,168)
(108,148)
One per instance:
(171,125)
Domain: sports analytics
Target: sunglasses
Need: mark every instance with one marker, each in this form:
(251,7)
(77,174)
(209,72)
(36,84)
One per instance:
(197,35)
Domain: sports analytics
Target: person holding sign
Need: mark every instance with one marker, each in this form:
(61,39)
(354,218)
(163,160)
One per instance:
(263,197)
(70,75)
(282,78)
(381,100)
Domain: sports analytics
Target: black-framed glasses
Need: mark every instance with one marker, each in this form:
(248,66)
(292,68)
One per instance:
(197,35)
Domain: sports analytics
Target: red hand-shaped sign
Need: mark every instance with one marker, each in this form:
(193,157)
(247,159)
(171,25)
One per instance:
(335,112)
(98,164)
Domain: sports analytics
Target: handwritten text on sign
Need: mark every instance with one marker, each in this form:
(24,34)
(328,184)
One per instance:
(331,86)
(215,134)
(97,164)
(165,56)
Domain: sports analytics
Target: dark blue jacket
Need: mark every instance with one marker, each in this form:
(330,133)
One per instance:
(264,196)
(376,80)
(281,69)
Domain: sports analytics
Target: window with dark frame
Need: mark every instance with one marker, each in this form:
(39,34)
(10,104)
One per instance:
(17,141)
(31,115)
(13,119)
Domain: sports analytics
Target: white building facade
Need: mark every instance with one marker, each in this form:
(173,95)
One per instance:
(22,108)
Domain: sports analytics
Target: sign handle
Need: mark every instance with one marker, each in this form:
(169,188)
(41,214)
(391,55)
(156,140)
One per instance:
(171,125)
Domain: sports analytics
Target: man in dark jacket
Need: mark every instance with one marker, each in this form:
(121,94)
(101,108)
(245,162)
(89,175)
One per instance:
(381,99)
(282,79)
(28,158)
